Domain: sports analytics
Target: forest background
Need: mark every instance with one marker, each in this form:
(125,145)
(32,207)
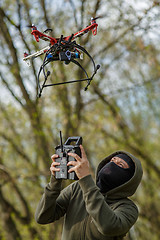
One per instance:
(120,110)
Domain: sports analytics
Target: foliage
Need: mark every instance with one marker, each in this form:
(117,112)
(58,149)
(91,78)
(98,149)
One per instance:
(121,104)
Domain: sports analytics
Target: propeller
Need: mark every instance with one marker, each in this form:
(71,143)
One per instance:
(100,16)
(48,30)
(30,26)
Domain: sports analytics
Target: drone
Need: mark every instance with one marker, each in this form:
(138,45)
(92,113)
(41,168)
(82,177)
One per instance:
(62,49)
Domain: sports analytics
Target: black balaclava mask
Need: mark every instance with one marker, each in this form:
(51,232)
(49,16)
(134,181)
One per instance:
(112,175)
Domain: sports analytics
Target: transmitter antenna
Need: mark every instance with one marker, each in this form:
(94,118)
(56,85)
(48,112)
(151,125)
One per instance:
(61,143)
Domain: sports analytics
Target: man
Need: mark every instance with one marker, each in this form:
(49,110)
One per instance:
(93,211)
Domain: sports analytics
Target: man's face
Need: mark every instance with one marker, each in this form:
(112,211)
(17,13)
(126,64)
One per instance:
(120,162)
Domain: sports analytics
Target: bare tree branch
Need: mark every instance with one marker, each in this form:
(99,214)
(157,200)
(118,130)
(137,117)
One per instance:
(74,13)
(18,149)
(11,91)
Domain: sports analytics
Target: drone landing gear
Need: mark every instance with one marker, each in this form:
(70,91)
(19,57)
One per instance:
(67,52)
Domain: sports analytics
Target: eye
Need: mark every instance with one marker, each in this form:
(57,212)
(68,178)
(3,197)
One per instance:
(121,165)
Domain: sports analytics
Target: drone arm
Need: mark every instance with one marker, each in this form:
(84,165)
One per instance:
(34,33)
(37,34)
(92,27)
(36,54)
(94,30)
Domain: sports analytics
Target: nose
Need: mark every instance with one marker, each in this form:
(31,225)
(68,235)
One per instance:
(114,159)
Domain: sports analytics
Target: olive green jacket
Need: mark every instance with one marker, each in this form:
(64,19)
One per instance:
(89,215)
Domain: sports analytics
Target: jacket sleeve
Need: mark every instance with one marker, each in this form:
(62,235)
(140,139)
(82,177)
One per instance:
(109,222)
(54,202)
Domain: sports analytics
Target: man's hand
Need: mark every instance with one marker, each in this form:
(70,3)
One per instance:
(53,168)
(81,166)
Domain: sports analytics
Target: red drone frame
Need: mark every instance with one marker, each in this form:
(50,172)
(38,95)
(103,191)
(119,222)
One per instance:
(37,34)
(64,49)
